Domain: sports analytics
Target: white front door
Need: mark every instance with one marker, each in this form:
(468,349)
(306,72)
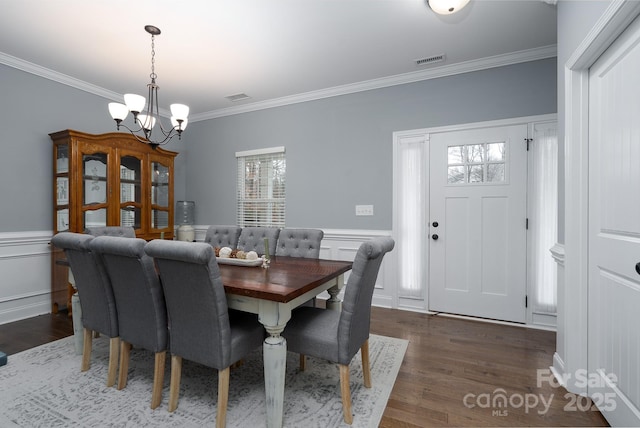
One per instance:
(614,230)
(478,191)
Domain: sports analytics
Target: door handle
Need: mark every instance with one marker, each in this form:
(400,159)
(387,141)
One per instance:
(435,224)
(435,238)
(638,268)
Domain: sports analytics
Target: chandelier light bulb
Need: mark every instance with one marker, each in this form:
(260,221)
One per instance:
(179,111)
(118,111)
(135,103)
(146,121)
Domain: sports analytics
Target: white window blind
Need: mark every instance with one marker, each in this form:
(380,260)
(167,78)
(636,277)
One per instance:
(261,187)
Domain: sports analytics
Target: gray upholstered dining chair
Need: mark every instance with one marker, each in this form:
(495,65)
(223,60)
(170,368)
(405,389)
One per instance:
(121,231)
(223,236)
(142,313)
(303,243)
(94,288)
(337,335)
(201,326)
(252,239)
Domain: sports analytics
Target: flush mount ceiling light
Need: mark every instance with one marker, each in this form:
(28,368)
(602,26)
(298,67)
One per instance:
(145,122)
(447,7)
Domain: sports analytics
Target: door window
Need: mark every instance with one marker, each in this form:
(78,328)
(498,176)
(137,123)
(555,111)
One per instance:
(476,163)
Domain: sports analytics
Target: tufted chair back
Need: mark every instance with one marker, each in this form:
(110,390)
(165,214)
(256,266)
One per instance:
(121,231)
(252,239)
(142,314)
(304,243)
(223,236)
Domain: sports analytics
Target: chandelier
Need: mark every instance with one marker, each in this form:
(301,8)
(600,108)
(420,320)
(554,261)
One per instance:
(146,122)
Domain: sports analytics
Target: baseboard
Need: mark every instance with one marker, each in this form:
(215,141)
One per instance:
(558,369)
(25,311)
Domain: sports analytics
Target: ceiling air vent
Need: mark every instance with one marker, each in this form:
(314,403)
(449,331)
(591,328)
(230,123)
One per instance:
(237,97)
(430,60)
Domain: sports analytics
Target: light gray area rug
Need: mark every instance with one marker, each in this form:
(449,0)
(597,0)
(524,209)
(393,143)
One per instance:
(44,387)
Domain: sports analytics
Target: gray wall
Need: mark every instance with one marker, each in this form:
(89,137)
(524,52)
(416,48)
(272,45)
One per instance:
(575,20)
(32,107)
(339,150)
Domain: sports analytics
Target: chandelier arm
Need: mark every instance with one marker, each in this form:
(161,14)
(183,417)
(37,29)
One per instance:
(153,144)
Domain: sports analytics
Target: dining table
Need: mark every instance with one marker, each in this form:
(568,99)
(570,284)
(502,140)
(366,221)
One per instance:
(272,290)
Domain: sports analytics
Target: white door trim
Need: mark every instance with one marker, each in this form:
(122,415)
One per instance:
(424,133)
(476,125)
(574,330)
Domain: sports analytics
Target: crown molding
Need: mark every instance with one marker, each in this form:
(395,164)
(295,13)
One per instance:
(399,79)
(55,76)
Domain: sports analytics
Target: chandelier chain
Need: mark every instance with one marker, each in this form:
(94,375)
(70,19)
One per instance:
(153,74)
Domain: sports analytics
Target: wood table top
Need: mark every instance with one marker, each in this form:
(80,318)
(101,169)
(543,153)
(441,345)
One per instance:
(284,280)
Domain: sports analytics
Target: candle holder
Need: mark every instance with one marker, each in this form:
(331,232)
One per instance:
(266,260)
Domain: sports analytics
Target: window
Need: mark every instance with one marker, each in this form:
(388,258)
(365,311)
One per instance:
(261,187)
(410,211)
(476,163)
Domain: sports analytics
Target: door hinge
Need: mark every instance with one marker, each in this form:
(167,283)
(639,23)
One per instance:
(526,301)
(528,140)
(526,224)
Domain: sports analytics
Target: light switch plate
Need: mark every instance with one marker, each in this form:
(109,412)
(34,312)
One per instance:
(364,210)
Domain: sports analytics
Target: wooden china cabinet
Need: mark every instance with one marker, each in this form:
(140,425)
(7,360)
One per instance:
(107,180)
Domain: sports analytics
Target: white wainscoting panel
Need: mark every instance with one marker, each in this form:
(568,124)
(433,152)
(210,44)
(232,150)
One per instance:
(25,269)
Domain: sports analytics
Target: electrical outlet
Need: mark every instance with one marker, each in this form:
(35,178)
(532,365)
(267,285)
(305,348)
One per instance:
(364,209)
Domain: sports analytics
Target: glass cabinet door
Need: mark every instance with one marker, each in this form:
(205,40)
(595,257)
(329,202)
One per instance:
(62,158)
(131,191)
(94,194)
(160,195)
(61,171)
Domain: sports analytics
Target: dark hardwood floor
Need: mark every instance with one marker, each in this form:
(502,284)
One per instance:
(453,373)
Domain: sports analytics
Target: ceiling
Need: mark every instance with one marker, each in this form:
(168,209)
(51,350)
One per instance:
(275,51)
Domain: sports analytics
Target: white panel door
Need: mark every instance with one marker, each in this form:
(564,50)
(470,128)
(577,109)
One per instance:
(614,230)
(478,188)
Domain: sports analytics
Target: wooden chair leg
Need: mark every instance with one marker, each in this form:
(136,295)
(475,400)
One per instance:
(125,356)
(158,379)
(86,350)
(345,391)
(303,362)
(366,370)
(223,397)
(114,346)
(174,388)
